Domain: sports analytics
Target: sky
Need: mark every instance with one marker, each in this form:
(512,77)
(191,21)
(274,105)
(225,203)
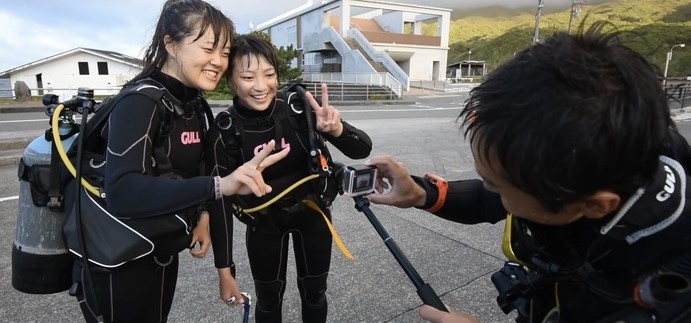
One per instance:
(31,30)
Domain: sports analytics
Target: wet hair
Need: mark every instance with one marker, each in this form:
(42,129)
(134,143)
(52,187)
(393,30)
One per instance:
(571,116)
(251,46)
(179,19)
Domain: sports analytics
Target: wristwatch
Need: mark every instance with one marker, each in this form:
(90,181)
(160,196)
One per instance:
(442,188)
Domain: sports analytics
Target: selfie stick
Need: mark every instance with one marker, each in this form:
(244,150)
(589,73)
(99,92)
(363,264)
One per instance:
(424,290)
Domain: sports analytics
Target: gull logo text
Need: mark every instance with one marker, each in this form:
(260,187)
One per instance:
(260,147)
(669,186)
(190,137)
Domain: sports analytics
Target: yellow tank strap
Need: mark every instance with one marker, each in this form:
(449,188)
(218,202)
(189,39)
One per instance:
(506,246)
(337,239)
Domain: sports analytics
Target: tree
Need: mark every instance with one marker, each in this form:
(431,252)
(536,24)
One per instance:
(286,55)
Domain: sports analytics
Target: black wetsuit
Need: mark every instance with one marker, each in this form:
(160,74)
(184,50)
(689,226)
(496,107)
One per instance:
(267,237)
(142,290)
(595,264)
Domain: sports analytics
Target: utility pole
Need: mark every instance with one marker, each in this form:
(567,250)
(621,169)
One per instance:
(575,11)
(536,34)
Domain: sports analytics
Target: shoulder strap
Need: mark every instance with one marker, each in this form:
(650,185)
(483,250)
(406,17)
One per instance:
(168,106)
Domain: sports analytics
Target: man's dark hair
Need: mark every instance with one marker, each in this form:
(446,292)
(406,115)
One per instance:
(571,116)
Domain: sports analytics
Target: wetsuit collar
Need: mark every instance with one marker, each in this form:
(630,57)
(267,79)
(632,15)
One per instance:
(653,207)
(180,91)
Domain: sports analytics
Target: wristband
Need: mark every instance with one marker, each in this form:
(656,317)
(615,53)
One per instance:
(217,187)
(442,187)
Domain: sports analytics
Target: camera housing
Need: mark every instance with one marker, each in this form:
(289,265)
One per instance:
(359,179)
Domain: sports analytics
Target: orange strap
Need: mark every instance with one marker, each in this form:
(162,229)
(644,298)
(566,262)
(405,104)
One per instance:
(442,187)
(337,239)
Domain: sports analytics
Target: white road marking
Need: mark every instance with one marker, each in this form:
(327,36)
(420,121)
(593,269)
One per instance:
(9,198)
(24,121)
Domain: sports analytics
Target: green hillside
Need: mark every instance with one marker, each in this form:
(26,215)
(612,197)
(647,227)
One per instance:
(495,34)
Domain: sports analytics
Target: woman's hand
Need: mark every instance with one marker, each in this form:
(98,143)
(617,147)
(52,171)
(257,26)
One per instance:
(228,287)
(328,118)
(247,178)
(201,235)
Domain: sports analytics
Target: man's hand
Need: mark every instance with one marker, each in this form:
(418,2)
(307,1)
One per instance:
(247,178)
(328,118)
(394,185)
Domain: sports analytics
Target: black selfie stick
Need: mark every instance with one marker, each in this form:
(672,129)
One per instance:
(424,290)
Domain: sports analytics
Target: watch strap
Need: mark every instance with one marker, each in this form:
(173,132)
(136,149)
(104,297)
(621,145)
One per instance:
(442,189)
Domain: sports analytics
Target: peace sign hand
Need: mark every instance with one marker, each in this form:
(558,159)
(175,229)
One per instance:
(248,178)
(328,118)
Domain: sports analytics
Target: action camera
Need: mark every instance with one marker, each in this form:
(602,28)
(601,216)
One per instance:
(359,180)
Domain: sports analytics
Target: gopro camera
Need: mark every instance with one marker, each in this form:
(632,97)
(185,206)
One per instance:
(359,180)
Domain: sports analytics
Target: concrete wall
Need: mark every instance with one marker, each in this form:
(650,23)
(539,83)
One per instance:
(420,65)
(391,22)
(285,33)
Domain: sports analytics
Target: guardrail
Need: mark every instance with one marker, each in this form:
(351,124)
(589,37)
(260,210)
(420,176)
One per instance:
(346,91)
(365,79)
(441,86)
(679,96)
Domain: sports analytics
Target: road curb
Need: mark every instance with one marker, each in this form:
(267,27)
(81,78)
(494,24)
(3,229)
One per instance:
(20,109)
(220,104)
(10,157)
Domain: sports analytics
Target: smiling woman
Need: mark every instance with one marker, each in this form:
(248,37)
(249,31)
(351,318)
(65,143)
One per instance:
(187,56)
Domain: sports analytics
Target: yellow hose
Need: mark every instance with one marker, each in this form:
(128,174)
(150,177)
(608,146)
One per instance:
(277,197)
(61,151)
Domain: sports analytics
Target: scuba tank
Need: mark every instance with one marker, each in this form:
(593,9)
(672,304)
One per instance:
(40,262)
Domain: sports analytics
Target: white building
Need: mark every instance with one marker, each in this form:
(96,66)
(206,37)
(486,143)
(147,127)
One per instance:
(359,41)
(103,71)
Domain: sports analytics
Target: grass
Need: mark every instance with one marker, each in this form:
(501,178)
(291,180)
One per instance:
(10,101)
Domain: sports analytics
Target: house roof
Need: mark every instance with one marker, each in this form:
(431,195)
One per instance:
(113,56)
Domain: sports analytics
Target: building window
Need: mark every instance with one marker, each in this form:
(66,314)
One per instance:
(83,68)
(102,68)
(292,35)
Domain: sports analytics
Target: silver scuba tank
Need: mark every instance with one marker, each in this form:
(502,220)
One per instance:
(40,262)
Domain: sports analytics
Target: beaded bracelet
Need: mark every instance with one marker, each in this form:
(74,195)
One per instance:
(217,187)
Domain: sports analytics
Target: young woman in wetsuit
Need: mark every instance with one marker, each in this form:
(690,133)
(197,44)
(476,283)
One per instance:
(254,75)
